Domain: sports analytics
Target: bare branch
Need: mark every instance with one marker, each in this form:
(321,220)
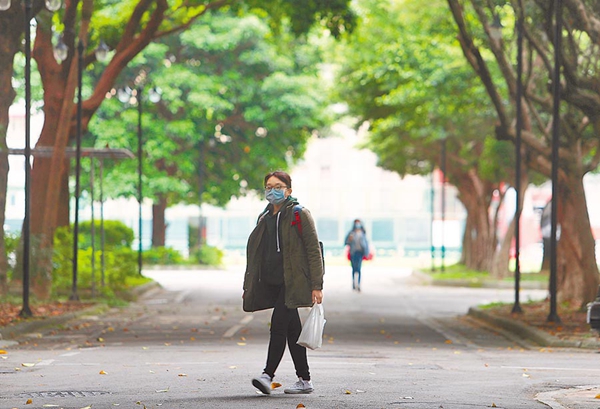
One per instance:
(474,57)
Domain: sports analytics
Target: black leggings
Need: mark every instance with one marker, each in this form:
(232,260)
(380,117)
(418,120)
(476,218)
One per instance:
(286,325)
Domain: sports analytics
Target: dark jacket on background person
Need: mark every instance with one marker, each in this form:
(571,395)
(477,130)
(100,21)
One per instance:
(302,261)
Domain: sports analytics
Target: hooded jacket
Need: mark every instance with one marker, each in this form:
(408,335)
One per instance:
(302,261)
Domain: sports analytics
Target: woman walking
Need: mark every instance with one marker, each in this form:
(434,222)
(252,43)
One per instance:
(284,271)
(358,249)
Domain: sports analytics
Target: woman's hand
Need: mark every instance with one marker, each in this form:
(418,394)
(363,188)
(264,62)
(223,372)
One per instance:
(317,296)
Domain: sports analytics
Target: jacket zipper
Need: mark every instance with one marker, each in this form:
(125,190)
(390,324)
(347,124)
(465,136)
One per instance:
(277,233)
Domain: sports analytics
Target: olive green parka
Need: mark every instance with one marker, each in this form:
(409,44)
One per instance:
(302,261)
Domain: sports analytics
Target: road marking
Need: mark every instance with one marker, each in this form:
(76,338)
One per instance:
(45,362)
(181,296)
(549,368)
(243,322)
(446,332)
(182,363)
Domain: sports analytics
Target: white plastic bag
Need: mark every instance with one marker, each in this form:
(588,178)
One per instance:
(312,331)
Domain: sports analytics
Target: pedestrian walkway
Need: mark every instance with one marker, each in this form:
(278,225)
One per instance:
(393,345)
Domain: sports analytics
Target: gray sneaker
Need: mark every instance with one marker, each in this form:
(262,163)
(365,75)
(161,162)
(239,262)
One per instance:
(301,386)
(263,383)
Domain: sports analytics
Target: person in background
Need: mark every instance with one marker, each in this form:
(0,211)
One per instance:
(358,245)
(284,271)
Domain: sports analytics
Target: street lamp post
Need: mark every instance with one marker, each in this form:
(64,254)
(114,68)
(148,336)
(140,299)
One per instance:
(26,310)
(140,171)
(51,5)
(432,205)
(517,306)
(553,315)
(443,197)
(136,96)
(74,295)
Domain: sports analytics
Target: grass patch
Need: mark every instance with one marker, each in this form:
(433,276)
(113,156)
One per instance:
(459,272)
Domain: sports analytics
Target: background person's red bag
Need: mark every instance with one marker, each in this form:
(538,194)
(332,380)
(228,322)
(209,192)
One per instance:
(371,254)
(367,257)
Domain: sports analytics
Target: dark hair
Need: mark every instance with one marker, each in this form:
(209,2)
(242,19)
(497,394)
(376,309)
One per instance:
(281,175)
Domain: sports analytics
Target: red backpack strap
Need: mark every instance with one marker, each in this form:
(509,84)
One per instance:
(297,220)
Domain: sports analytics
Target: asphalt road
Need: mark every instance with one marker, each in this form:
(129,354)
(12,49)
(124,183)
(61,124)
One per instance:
(188,345)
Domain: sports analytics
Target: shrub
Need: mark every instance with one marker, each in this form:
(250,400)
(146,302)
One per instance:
(120,263)
(116,234)
(207,255)
(11,241)
(162,256)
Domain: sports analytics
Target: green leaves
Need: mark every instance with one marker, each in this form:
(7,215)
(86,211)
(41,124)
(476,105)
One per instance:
(235,101)
(404,72)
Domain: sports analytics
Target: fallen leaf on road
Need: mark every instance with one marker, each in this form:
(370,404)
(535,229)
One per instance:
(275,385)
(100,339)
(162,390)
(29,402)
(347,392)
(2,352)
(494,405)
(182,374)
(241,344)
(151,371)
(26,365)
(103,373)
(233,367)
(526,375)
(192,338)
(145,348)
(298,406)
(167,344)
(360,391)
(242,338)
(448,341)
(597,396)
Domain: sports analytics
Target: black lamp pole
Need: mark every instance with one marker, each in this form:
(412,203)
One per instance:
(553,315)
(517,306)
(443,203)
(74,296)
(140,197)
(432,220)
(26,310)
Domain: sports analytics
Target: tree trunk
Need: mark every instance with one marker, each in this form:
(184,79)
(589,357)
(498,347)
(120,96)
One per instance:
(577,271)
(499,266)
(159,225)
(466,241)
(479,236)
(11,28)
(47,174)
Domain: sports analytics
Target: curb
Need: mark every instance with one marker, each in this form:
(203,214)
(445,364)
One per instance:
(35,324)
(527,332)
